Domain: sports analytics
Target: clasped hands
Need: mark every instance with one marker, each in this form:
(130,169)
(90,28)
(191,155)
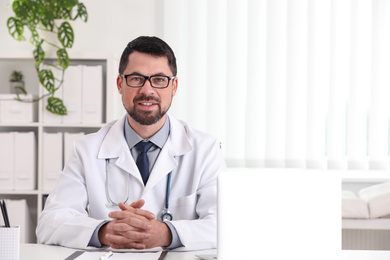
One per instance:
(134,228)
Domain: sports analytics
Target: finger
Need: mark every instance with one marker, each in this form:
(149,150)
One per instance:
(129,225)
(136,235)
(122,242)
(125,208)
(120,215)
(137,204)
(132,245)
(129,232)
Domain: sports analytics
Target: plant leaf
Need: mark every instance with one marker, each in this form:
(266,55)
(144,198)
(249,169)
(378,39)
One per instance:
(15,28)
(81,12)
(67,3)
(46,78)
(20,10)
(20,89)
(39,53)
(34,9)
(37,65)
(34,35)
(56,106)
(63,14)
(65,35)
(47,20)
(63,58)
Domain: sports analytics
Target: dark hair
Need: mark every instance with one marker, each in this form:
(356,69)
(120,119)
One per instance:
(150,45)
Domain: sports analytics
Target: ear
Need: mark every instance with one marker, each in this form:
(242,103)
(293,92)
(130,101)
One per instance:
(174,86)
(119,81)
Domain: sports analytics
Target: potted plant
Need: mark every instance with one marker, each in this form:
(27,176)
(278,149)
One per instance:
(16,82)
(47,17)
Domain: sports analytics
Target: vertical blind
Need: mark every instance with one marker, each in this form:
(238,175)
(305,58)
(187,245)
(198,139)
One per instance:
(285,83)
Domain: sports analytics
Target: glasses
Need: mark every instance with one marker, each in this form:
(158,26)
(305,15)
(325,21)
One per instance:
(138,81)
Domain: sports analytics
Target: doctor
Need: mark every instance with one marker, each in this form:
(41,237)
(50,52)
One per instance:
(169,200)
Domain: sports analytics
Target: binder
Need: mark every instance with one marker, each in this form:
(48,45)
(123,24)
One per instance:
(72,89)
(24,160)
(92,94)
(51,160)
(7,161)
(69,139)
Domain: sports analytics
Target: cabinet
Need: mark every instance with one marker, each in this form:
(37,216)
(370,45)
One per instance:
(111,109)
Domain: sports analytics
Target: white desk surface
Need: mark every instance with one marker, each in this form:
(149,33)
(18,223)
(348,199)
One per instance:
(365,254)
(47,252)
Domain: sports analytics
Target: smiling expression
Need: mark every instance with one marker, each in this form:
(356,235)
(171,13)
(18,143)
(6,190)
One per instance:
(147,105)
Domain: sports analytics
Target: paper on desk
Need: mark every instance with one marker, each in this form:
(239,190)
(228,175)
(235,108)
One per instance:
(87,255)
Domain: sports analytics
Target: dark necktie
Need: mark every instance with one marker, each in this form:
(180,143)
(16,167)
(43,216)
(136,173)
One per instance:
(142,160)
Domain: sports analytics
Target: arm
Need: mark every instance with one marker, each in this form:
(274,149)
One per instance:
(201,233)
(66,209)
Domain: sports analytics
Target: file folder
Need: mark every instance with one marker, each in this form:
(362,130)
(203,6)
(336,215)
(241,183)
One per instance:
(24,160)
(7,161)
(69,139)
(72,89)
(92,94)
(51,160)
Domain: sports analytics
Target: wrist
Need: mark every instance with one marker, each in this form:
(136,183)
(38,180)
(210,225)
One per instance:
(102,235)
(168,237)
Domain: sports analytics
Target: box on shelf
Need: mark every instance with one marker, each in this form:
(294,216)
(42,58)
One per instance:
(14,111)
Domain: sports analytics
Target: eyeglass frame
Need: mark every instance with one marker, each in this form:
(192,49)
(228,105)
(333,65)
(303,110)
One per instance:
(147,78)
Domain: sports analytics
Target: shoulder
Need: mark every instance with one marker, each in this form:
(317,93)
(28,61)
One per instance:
(97,138)
(193,135)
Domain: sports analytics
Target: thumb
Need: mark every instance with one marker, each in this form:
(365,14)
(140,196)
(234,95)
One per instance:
(138,204)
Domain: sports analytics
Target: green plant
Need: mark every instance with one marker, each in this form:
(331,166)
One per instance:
(16,76)
(39,16)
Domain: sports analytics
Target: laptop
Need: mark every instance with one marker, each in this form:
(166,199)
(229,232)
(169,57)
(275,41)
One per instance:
(268,213)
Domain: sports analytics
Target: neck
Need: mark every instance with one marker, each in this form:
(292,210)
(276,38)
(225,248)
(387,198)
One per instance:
(146,131)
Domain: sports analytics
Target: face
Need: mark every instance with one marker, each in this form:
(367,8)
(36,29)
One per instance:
(147,105)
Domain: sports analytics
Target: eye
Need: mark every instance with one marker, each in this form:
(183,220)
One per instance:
(158,79)
(135,78)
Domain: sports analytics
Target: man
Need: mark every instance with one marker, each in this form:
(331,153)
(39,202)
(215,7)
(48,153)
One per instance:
(113,193)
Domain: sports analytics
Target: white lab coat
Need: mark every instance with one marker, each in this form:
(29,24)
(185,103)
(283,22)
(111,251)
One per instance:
(194,158)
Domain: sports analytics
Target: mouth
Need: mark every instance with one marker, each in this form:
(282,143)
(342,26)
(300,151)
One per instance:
(147,105)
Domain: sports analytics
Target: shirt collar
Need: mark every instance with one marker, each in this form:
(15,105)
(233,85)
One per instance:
(158,139)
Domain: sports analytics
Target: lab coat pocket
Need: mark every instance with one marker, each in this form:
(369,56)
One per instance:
(184,207)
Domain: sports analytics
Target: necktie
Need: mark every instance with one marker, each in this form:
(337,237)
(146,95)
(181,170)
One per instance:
(142,160)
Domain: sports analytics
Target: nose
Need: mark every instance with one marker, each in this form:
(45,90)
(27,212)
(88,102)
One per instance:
(147,87)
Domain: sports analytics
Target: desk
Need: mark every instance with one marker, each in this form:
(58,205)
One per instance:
(46,252)
(365,254)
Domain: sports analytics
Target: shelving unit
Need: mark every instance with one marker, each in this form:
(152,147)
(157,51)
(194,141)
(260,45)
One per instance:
(111,109)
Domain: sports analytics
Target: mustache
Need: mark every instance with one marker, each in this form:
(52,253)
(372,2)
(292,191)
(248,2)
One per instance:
(143,97)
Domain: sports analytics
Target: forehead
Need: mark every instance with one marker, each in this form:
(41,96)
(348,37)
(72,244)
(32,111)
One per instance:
(146,63)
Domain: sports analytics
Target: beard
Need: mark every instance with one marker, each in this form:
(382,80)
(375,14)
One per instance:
(146,117)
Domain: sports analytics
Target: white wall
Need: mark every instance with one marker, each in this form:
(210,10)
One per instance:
(110,26)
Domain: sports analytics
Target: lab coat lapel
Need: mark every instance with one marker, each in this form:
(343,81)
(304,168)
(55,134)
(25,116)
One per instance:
(115,146)
(176,145)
